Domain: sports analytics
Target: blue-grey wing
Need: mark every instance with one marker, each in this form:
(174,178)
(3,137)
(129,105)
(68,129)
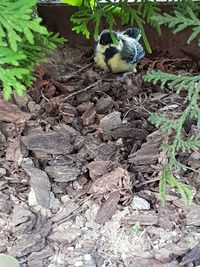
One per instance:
(132,51)
(134,33)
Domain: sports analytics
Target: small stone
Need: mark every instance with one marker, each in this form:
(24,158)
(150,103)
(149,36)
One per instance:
(87,257)
(139,203)
(78,263)
(78,246)
(111,121)
(54,203)
(70,248)
(60,258)
(28,161)
(65,198)
(32,201)
(84,229)
(80,221)
(104,104)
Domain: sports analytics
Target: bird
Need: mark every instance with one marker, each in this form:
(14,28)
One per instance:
(119,52)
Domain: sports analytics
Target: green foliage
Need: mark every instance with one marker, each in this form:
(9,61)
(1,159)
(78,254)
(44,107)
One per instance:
(182,6)
(186,191)
(136,228)
(93,12)
(15,20)
(186,15)
(23,44)
(150,9)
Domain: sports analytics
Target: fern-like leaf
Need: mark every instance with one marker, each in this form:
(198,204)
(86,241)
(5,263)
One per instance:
(15,19)
(150,9)
(179,21)
(23,44)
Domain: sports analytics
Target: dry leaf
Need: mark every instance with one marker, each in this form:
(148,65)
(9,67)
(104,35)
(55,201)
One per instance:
(107,182)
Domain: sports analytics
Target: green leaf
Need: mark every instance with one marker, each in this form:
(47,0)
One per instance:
(73,2)
(29,35)
(15,19)
(180,20)
(8,261)
(24,43)
(186,191)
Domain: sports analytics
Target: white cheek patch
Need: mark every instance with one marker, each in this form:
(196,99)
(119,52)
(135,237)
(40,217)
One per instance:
(119,46)
(101,48)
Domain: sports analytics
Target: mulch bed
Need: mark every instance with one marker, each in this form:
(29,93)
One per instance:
(80,165)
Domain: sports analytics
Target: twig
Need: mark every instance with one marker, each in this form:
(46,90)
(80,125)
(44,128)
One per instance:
(42,94)
(76,211)
(66,78)
(81,91)
(65,113)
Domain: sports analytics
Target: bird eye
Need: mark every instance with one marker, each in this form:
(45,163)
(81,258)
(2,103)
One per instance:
(102,42)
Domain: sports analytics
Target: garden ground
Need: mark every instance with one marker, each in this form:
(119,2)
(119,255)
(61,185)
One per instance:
(80,165)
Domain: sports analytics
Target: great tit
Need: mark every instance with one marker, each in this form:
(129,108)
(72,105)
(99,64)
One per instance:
(120,53)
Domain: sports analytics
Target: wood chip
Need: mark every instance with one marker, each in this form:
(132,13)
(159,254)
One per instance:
(11,113)
(98,168)
(26,245)
(108,209)
(125,132)
(144,219)
(50,143)
(148,154)
(13,152)
(40,184)
(63,174)
(146,262)
(88,116)
(192,256)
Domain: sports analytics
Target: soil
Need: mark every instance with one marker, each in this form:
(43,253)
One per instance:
(80,165)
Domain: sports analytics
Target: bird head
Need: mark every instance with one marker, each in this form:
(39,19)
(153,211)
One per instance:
(106,39)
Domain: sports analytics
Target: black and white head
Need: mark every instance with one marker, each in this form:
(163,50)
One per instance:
(105,38)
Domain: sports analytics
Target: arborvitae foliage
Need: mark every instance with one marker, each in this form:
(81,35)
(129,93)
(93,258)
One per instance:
(23,44)
(185,15)
(94,11)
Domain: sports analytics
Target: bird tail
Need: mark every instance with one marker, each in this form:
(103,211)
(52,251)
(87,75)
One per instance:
(134,33)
